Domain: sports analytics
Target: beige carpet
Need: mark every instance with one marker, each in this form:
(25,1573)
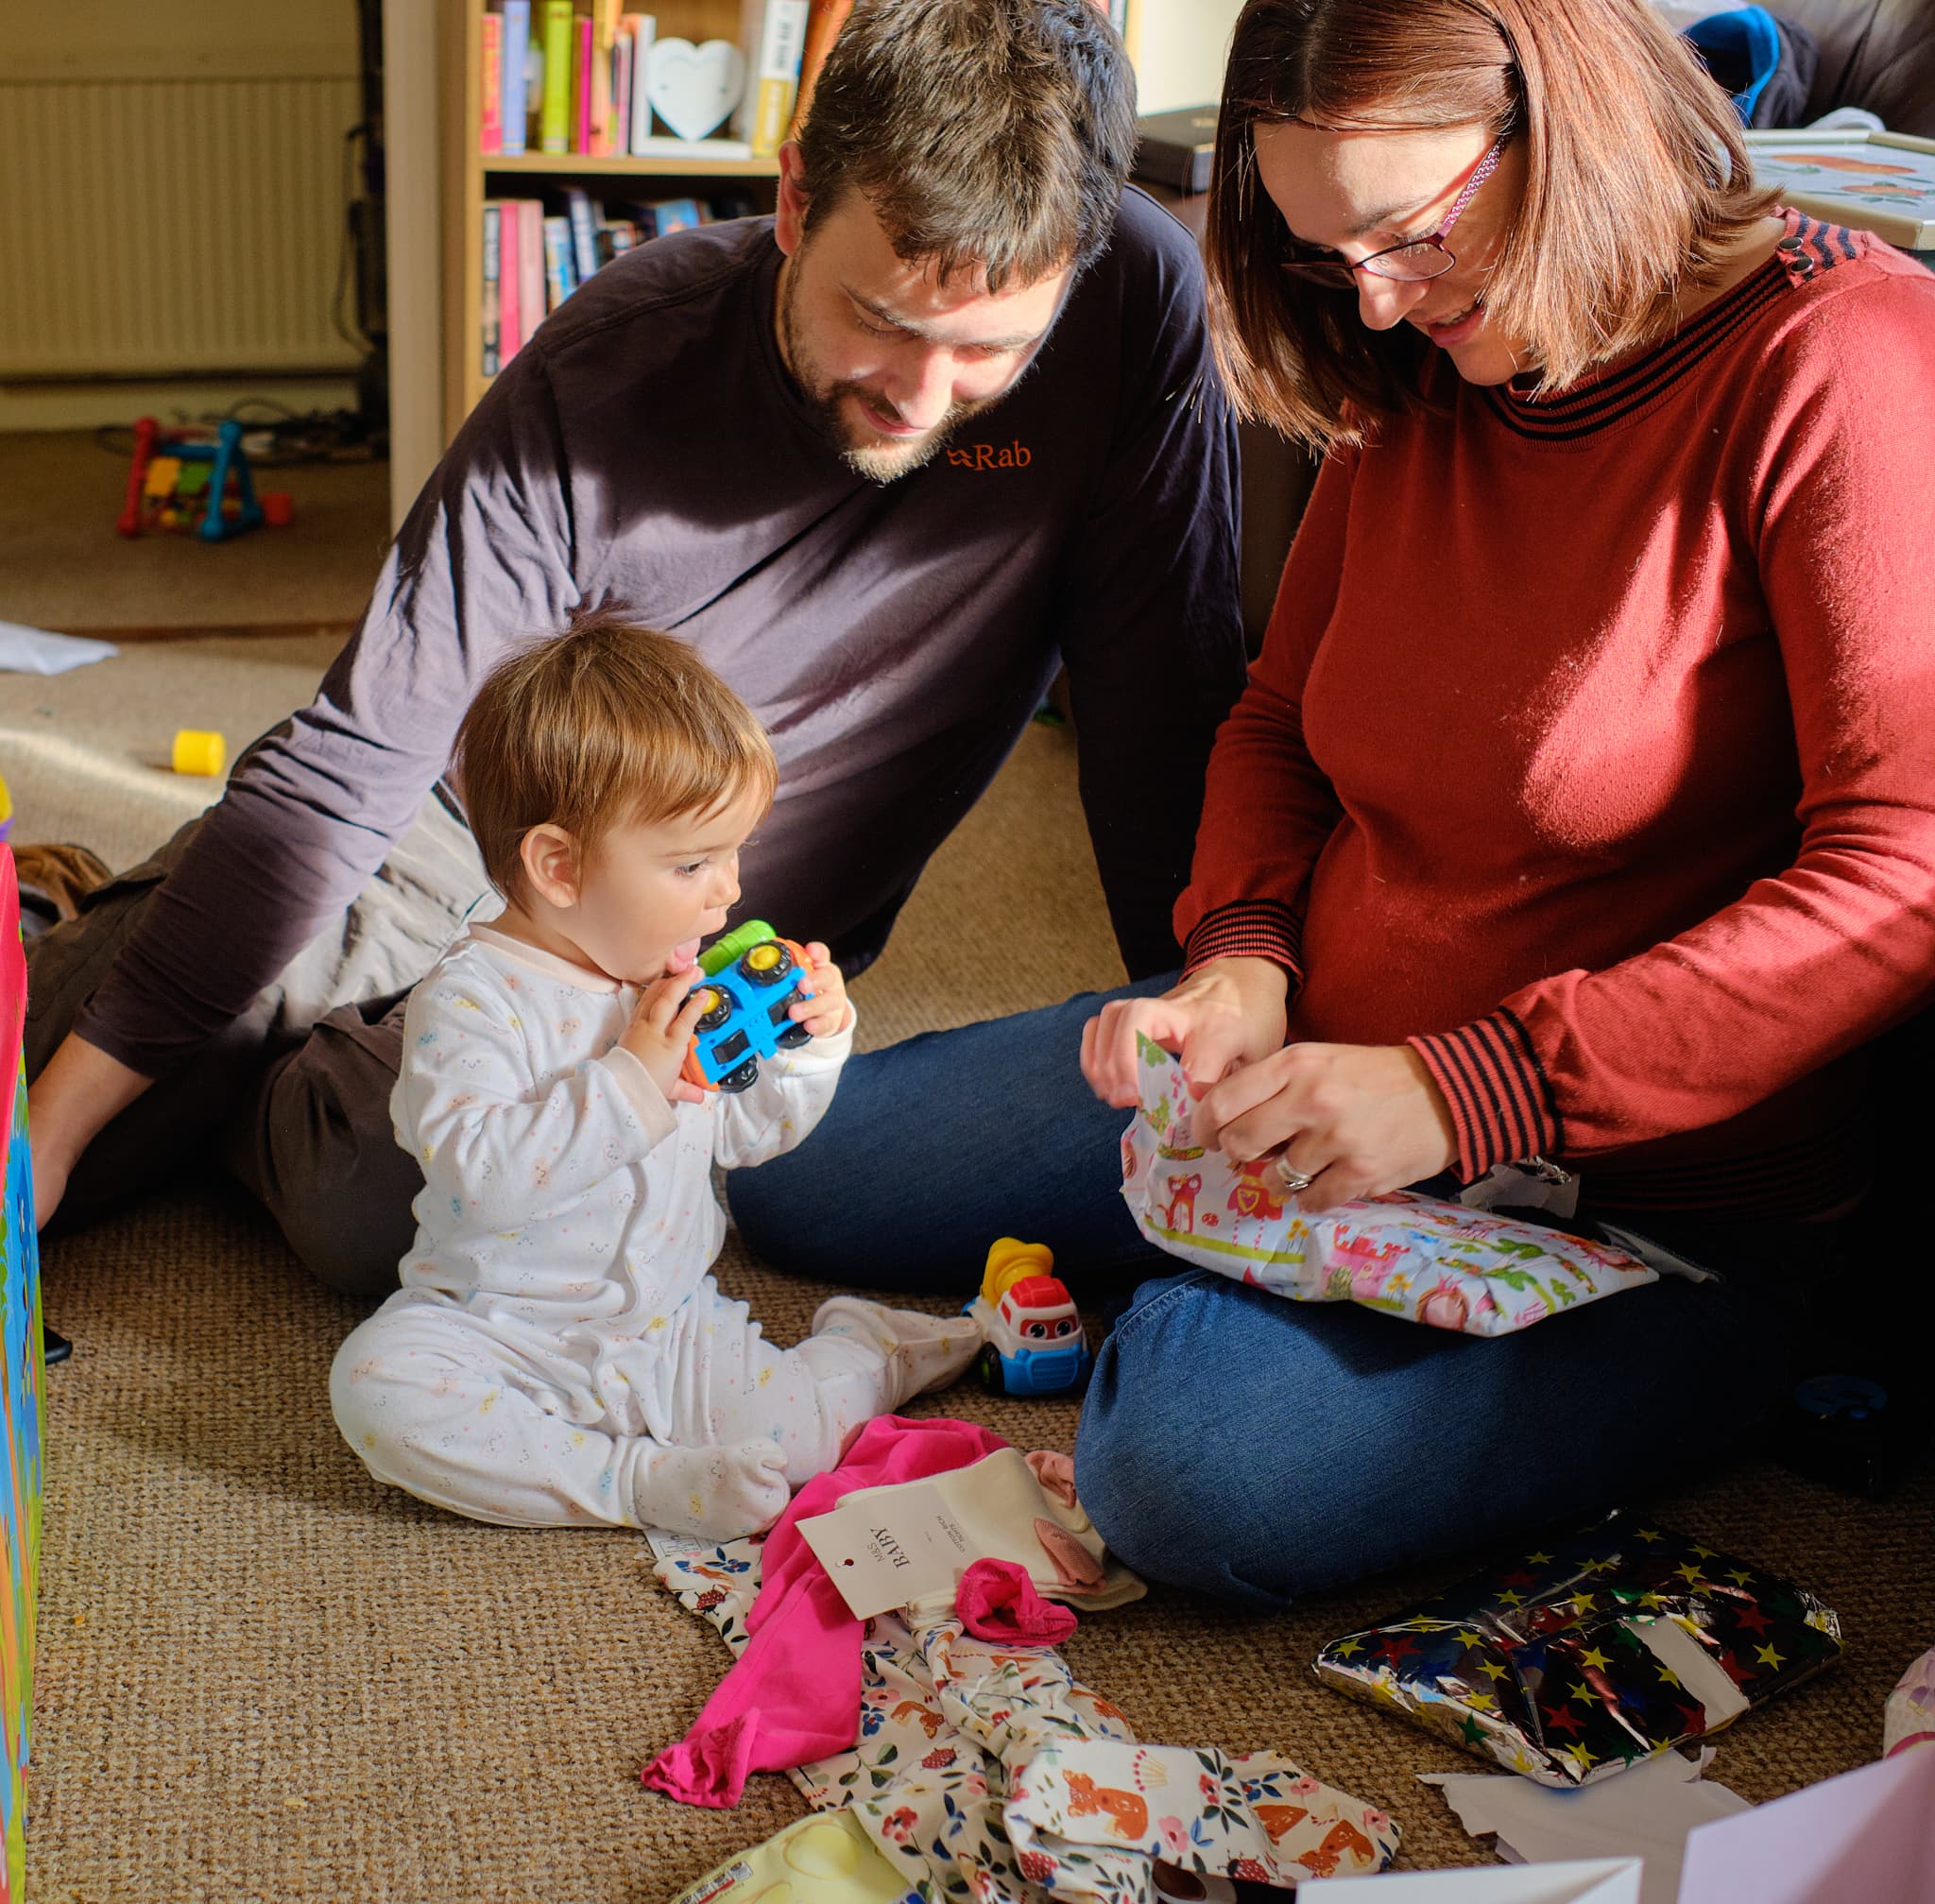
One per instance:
(63,566)
(262,1677)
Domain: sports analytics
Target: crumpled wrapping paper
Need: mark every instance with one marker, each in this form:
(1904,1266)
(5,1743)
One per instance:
(1416,1257)
(1909,1718)
(1548,1666)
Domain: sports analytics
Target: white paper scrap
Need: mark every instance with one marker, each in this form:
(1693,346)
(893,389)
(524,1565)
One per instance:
(39,651)
(1645,1813)
(1598,1880)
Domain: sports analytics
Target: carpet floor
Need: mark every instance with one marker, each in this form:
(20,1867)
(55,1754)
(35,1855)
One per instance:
(65,568)
(262,1677)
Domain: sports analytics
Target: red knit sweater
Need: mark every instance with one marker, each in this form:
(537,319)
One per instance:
(1592,744)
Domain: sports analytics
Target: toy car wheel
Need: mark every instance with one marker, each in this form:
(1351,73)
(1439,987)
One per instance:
(989,1366)
(740,1076)
(767,963)
(793,1036)
(717,1012)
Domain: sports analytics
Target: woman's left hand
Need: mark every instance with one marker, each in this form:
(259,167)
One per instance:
(1357,1120)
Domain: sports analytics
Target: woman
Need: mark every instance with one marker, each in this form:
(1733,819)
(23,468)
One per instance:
(1580,804)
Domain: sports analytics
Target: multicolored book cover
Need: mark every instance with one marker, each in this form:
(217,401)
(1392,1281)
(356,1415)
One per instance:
(20,1397)
(1882,182)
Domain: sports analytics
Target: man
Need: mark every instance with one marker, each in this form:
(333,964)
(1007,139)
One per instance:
(887,458)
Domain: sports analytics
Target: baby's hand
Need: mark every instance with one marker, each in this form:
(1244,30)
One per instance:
(659,1034)
(820,1005)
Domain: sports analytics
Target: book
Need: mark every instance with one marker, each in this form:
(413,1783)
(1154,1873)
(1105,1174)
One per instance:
(584,61)
(581,225)
(621,94)
(1882,182)
(1177,149)
(603,43)
(774,38)
(514,108)
(560,279)
(645,29)
(677,215)
(510,334)
(530,266)
(488,314)
(490,71)
(823,24)
(555,118)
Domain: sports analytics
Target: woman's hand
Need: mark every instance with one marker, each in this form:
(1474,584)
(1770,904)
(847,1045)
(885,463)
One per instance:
(1228,1012)
(1356,1119)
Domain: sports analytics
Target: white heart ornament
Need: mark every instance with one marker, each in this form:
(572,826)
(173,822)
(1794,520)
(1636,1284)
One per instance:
(693,89)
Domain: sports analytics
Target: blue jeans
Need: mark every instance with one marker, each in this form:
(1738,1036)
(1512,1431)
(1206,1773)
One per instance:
(1260,1449)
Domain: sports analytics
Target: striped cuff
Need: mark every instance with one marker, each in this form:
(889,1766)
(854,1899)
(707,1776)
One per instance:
(1248,929)
(1500,1098)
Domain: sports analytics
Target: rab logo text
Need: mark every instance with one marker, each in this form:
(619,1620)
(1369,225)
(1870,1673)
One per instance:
(1012,455)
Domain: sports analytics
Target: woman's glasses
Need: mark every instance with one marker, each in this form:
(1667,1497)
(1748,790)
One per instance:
(1413,259)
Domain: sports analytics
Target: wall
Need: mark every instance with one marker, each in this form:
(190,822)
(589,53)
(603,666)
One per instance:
(1180,47)
(105,41)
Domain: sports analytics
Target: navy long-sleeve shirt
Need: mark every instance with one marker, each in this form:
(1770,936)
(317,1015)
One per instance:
(648,446)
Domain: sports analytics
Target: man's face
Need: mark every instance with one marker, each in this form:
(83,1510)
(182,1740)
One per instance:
(891,359)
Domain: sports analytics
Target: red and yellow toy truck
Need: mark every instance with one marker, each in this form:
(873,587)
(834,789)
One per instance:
(1035,1341)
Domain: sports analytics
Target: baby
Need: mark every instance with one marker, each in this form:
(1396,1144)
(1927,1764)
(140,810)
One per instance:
(558,1354)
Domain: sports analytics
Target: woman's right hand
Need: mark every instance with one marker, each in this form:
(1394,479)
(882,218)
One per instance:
(1229,1012)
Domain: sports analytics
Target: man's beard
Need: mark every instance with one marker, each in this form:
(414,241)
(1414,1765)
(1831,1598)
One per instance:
(880,459)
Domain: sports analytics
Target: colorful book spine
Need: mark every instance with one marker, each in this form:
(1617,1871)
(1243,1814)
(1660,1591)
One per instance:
(511,279)
(493,272)
(530,265)
(583,226)
(554,121)
(514,106)
(561,281)
(604,77)
(645,29)
(490,66)
(775,79)
(585,61)
(822,28)
(621,96)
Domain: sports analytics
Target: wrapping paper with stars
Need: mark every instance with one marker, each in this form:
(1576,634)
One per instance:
(1593,1652)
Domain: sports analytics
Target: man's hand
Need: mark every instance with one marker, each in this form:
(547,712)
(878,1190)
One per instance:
(1228,1012)
(820,1005)
(659,1034)
(73,1098)
(1357,1120)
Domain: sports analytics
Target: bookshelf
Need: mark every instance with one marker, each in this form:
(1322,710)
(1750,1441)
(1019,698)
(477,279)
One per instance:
(469,176)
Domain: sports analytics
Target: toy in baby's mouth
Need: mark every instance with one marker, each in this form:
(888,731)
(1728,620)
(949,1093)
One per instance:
(753,976)
(1035,1341)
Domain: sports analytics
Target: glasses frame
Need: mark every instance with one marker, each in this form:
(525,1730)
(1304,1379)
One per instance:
(1342,272)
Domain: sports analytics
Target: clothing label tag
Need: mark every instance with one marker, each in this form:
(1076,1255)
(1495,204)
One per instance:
(663,1543)
(883,1553)
(1698,1671)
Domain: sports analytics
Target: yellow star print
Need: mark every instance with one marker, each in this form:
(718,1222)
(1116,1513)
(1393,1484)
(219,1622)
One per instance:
(1768,1656)
(1595,1657)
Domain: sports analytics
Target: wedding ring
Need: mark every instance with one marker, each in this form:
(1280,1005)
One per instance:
(1294,1179)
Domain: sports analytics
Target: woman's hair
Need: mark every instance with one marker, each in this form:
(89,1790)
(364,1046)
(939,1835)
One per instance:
(607,724)
(1635,182)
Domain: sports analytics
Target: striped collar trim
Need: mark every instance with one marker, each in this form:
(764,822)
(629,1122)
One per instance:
(1809,247)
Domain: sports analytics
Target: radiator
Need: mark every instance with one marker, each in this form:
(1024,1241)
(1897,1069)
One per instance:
(170,227)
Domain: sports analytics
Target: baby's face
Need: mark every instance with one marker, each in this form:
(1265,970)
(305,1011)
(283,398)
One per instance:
(648,894)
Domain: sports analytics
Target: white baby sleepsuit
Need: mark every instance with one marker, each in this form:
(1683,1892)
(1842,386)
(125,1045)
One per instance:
(559,1353)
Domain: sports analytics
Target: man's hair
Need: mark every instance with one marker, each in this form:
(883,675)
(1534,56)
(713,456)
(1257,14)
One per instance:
(604,724)
(985,135)
(1635,183)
